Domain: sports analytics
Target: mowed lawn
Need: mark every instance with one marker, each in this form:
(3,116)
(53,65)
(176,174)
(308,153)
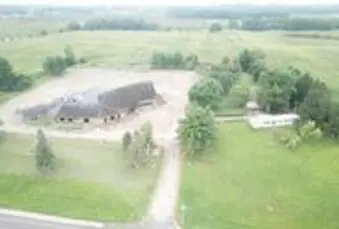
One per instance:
(92,180)
(252,182)
(130,48)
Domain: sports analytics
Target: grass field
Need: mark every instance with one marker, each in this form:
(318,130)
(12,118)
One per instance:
(252,182)
(126,49)
(26,27)
(92,180)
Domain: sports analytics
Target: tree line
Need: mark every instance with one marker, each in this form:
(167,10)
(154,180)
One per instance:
(198,130)
(280,91)
(290,24)
(113,24)
(173,60)
(247,11)
(293,90)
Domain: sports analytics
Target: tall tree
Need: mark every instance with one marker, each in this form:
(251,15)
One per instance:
(316,105)
(276,88)
(197,131)
(331,128)
(248,57)
(126,141)
(303,84)
(206,92)
(44,157)
(256,69)
(70,58)
(142,146)
(226,78)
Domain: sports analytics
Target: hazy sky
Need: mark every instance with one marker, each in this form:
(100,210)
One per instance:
(163,2)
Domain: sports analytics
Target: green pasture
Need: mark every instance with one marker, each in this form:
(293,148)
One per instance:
(252,182)
(92,180)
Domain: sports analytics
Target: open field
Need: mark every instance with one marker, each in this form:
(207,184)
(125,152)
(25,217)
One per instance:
(126,49)
(27,28)
(261,185)
(92,180)
(171,85)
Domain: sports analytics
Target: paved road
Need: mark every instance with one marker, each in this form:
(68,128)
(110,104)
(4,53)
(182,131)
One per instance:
(15,222)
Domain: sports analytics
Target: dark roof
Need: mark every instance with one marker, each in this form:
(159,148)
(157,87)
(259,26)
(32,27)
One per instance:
(75,110)
(37,111)
(126,97)
(93,104)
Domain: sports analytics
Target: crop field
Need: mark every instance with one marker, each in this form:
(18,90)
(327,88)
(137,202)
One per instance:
(92,180)
(260,184)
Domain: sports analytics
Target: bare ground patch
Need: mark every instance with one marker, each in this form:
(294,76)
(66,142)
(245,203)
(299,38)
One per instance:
(171,85)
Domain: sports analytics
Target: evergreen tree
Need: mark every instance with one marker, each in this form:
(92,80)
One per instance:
(44,157)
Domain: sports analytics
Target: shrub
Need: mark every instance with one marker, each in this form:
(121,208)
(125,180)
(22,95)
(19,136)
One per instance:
(126,141)
(54,65)
(70,58)
(82,60)
(215,27)
(174,60)
(43,33)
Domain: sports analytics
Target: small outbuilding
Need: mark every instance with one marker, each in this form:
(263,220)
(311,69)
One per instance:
(269,121)
(252,108)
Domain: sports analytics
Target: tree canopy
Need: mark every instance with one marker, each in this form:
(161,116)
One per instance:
(276,88)
(197,131)
(206,92)
(54,65)
(11,81)
(174,60)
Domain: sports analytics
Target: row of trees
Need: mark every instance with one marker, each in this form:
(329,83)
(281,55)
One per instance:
(10,80)
(291,24)
(175,60)
(112,24)
(56,65)
(197,131)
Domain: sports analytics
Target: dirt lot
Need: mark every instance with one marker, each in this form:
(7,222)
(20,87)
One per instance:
(172,85)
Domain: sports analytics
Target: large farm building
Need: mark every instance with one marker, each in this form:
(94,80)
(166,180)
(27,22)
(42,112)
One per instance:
(95,104)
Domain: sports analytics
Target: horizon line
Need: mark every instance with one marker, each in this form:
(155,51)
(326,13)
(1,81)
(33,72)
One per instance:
(169,4)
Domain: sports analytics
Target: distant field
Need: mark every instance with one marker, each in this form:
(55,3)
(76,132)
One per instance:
(252,182)
(92,181)
(128,49)
(27,27)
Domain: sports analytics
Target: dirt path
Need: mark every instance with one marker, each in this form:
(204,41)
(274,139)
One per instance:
(165,198)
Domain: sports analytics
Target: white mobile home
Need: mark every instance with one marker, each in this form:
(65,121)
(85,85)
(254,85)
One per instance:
(268,121)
